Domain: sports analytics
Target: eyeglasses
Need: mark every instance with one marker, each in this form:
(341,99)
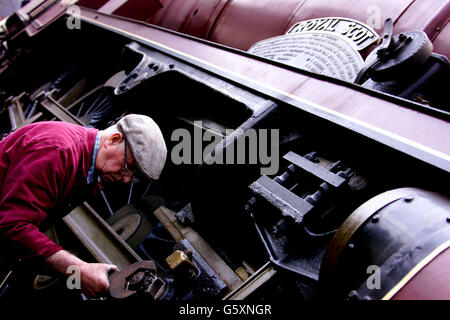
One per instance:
(125,171)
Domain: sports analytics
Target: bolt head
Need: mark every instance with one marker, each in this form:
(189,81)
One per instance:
(137,278)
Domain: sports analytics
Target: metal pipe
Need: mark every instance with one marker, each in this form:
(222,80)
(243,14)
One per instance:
(148,188)
(106,201)
(131,192)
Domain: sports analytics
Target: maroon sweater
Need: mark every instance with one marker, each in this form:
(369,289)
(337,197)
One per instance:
(41,165)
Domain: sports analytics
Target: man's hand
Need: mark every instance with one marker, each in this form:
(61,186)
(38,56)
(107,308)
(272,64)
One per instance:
(94,276)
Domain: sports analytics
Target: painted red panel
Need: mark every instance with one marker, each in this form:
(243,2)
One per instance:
(194,17)
(442,42)
(241,23)
(244,22)
(139,9)
(371,12)
(427,284)
(92,4)
(425,15)
(432,17)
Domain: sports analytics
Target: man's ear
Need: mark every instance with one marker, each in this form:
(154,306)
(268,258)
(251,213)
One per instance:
(116,138)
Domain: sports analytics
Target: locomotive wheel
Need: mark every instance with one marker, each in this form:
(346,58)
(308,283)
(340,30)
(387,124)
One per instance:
(131,224)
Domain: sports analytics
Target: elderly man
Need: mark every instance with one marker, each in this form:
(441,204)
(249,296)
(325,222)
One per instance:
(47,166)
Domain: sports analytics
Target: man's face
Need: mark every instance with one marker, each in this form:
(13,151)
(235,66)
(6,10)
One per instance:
(110,162)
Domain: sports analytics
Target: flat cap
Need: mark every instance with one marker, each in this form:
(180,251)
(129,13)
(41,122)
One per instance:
(146,143)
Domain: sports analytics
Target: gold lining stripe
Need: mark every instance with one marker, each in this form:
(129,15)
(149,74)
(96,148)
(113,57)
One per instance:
(418,267)
(325,110)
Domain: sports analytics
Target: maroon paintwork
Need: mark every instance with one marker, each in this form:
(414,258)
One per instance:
(427,284)
(240,23)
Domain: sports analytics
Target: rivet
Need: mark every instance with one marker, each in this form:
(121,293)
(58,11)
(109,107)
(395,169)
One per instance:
(409,198)
(375,218)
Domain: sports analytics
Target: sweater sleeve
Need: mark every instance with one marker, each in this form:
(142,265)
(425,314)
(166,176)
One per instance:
(30,190)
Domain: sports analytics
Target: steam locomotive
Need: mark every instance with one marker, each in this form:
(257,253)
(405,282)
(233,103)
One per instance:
(319,161)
